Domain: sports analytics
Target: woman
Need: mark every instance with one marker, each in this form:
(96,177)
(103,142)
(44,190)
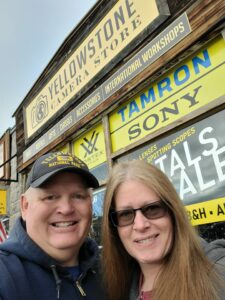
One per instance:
(150,249)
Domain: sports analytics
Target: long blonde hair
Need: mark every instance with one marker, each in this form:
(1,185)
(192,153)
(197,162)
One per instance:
(186,274)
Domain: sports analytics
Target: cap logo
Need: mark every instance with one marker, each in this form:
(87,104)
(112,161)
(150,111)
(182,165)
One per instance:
(60,160)
(67,158)
(50,158)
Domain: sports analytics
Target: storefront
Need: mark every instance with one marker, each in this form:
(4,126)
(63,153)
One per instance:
(138,80)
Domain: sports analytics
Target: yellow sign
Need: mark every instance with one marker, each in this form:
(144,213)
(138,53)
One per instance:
(193,84)
(90,147)
(207,212)
(115,31)
(64,149)
(2,202)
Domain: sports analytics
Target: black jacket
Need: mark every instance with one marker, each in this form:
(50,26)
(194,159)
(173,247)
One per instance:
(28,273)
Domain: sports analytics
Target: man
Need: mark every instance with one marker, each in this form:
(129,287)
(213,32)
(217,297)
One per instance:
(48,254)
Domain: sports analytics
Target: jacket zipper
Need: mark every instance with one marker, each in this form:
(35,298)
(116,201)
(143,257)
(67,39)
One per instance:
(80,289)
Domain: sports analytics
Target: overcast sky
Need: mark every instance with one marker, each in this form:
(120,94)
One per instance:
(31,31)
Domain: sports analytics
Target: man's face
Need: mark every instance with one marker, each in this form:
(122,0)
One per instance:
(58,216)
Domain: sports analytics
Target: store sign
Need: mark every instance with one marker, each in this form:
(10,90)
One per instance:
(207,212)
(124,22)
(190,86)
(3,202)
(90,147)
(64,149)
(194,160)
(172,35)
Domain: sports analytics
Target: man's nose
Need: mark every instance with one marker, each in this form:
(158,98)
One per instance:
(65,205)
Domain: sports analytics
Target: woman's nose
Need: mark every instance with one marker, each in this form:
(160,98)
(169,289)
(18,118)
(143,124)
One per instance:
(140,221)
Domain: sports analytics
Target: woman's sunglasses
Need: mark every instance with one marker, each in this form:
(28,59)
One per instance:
(151,211)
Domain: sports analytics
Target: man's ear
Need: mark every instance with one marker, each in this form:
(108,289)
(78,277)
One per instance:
(23,206)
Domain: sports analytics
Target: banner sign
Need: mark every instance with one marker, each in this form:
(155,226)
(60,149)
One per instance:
(3,194)
(191,85)
(125,21)
(172,35)
(194,160)
(90,148)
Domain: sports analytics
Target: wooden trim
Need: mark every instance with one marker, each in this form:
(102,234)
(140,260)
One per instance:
(108,146)
(5,141)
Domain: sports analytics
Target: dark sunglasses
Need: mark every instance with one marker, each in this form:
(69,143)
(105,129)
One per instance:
(151,211)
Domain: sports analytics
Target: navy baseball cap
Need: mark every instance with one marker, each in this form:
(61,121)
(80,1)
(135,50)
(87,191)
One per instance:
(52,163)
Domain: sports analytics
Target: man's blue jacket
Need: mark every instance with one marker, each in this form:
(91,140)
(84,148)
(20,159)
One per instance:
(28,273)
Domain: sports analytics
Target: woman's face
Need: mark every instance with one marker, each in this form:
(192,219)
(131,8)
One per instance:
(146,240)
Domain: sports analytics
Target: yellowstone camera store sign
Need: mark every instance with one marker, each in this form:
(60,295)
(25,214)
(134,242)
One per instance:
(169,37)
(125,21)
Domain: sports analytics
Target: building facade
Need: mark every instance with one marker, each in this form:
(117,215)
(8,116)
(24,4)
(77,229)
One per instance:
(138,80)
